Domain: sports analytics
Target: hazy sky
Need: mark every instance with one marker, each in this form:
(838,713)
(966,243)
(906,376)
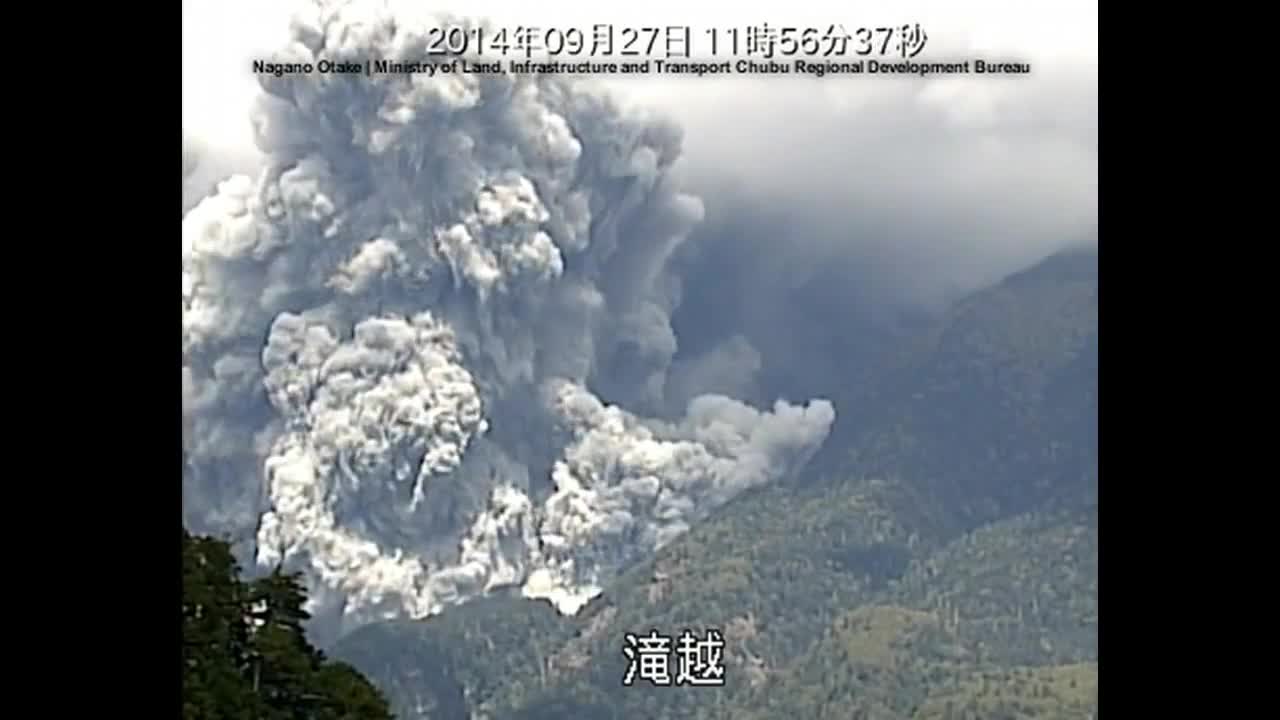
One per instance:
(819,193)
(220,37)
(922,189)
(826,206)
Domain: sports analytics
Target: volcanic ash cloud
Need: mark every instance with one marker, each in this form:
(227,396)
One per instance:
(419,347)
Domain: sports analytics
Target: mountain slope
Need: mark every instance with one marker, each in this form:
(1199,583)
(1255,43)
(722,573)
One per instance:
(995,411)
(941,562)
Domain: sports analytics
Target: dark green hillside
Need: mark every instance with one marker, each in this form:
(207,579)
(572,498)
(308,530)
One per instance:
(460,659)
(986,622)
(1022,591)
(996,411)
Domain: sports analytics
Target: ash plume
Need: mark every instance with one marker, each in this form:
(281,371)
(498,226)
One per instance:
(426,347)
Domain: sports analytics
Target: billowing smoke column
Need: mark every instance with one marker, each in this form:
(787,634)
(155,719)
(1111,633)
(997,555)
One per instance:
(409,341)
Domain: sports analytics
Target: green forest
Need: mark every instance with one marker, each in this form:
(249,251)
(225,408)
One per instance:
(245,655)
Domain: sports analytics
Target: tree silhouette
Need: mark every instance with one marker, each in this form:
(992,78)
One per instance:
(245,651)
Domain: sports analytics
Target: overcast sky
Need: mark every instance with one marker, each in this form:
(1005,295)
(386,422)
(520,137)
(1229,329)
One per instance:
(220,37)
(828,207)
(836,192)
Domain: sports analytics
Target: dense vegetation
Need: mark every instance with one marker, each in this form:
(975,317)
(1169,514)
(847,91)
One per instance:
(939,561)
(245,655)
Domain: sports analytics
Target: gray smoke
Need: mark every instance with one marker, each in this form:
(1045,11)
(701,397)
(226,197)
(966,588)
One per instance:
(427,348)
(205,165)
(840,210)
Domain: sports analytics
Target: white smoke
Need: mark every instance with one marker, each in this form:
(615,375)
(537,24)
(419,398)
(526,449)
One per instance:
(394,337)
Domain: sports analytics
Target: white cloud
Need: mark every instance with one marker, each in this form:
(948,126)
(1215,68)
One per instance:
(467,300)
(421,258)
(221,37)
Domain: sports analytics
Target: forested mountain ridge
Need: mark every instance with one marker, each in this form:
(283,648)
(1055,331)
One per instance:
(941,563)
(994,411)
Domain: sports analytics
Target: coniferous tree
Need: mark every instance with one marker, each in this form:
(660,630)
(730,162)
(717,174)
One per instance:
(245,652)
(283,662)
(215,638)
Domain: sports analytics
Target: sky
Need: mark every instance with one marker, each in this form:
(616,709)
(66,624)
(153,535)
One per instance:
(857,193)
(854,193)
(221,37)
(803,214)
(940,185)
